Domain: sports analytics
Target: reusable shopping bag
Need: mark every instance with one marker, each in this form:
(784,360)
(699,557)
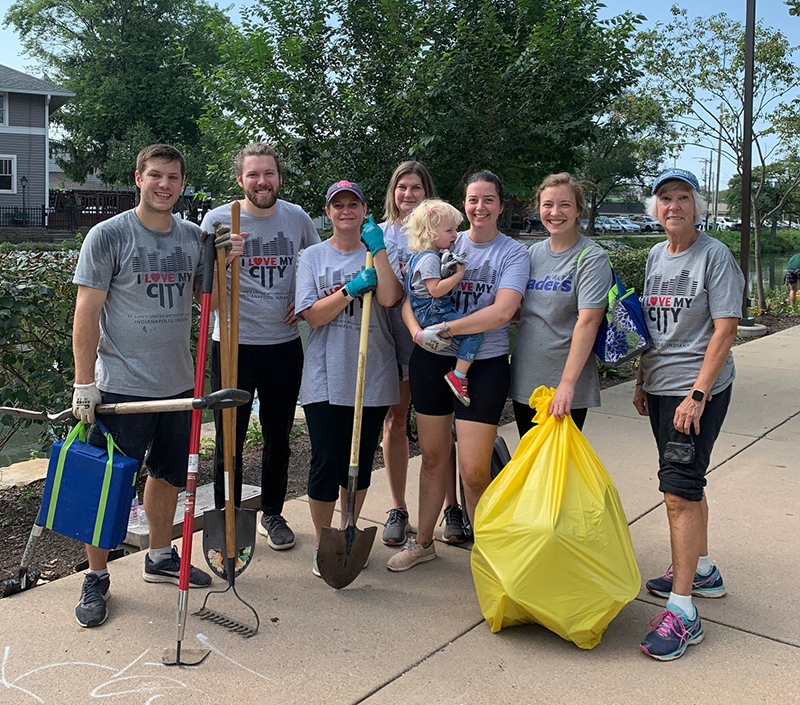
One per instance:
(622,334)
(88,491)
(552,545)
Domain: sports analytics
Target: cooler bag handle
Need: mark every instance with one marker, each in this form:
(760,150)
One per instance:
(79,431)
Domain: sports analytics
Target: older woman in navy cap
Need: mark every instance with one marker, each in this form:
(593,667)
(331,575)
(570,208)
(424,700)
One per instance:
(331,282)
(692,300)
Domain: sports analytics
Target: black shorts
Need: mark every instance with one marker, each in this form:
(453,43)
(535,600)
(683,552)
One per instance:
(792,276)
(685,476)
(161,441)
(523,415)
(331,429)
(488,380)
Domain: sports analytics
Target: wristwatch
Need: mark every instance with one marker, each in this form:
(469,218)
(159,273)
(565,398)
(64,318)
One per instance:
(347,294)
(698,395)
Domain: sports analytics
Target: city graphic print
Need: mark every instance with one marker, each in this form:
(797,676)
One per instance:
(165,278)
(334,279)
(264,261)
(476,282)
(663,301)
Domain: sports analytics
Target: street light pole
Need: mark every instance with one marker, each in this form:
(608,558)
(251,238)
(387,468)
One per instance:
(24,181)
(747,155)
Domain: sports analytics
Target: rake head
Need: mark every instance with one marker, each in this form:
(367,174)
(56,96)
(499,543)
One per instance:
(223,620)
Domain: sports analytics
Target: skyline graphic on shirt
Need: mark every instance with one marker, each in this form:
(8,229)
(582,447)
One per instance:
(151,261)
(334,277)
(677,286)
(278,246)
(481,274)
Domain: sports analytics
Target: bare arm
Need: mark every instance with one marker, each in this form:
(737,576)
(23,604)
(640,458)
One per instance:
(410,319)
(323,311)
(86,331)
(583,336)
(441,287)
(493,316)
(389,290)
(687,415)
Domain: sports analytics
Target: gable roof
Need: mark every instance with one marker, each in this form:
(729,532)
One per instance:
(15,81)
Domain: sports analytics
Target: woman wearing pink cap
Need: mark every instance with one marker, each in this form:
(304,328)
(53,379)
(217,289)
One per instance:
(331,281)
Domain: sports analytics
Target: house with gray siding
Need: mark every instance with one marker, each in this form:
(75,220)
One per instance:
(26,104)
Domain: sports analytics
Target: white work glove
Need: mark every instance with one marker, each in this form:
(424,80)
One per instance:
(449,261)
(84,399)
(429,338)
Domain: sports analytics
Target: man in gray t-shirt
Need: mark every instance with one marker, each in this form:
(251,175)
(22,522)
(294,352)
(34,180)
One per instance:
(131,333)
(270,350)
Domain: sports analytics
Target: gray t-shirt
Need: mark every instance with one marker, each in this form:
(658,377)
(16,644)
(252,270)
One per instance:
(501,263)
(268,269)
(428,266)
(396,240)
(683,293)
(331,356)
(146,320)
(558,288)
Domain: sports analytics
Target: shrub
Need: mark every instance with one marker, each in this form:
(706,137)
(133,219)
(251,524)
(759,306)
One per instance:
(629,265)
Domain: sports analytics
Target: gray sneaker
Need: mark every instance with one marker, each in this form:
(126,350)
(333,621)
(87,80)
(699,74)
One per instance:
(396,527)
(279,536)
(454,531)
(91,610)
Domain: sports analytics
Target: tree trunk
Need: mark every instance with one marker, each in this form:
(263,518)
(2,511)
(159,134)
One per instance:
(592,213)
(773,229)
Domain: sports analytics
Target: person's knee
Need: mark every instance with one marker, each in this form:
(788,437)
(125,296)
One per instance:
(678,505)
(395,422)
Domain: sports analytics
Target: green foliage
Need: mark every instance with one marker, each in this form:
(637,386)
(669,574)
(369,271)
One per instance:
(785,241)
(254,437)
(132,67)
(349,89)
(629,265)
(64,245)
(777,302)
(207,446)
(36,305)
(627,147)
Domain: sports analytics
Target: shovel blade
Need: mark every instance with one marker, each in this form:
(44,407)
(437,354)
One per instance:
(188,657)
(343,553)
(214,544)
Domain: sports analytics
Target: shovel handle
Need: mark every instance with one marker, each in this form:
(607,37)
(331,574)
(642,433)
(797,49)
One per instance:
(358,411)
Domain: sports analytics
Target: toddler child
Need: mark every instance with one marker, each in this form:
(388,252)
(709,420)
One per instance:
(431,275)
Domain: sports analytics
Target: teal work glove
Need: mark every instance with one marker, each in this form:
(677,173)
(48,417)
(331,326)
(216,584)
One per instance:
(366,281)
(372,236)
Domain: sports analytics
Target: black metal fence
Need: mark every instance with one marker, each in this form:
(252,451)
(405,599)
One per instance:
(11,216)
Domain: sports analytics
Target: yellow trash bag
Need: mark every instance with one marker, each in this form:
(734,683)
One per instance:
(552,545)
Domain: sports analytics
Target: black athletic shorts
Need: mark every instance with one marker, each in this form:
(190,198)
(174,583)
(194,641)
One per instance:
(331,430)
(161,440)
(488,382)
(683,460)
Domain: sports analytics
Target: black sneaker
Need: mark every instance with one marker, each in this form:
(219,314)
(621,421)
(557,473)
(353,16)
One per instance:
(91,610)
(396,527)
(169,571)
(454,531)
(279,536)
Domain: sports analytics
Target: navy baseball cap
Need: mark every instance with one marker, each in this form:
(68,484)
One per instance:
(676,174)
(344,185)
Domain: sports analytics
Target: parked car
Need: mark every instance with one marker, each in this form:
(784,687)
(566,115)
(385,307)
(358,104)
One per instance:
(608,225)
(647,223)
(723,223)
(628,226)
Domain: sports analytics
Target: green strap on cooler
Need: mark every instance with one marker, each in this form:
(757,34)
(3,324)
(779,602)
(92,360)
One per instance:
(80,432)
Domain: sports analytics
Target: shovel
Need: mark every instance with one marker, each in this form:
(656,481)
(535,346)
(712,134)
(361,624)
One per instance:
(229,535)
(343,553)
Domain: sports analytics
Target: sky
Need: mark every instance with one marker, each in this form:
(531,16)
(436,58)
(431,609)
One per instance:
(774,13)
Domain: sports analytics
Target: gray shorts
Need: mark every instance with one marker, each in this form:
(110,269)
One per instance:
(160,441)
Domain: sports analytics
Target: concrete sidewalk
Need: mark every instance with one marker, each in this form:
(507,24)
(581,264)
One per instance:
(418,637)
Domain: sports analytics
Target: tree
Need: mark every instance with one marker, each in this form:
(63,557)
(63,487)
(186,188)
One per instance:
(627,147)
(696,67)
(351,88)
(132,68)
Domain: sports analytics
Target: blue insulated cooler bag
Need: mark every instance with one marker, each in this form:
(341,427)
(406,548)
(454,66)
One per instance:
(88,490)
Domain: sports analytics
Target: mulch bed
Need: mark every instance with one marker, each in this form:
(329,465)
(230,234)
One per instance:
(58,556)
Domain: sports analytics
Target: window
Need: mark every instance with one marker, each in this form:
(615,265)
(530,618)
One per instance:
(8,173)
(3,108)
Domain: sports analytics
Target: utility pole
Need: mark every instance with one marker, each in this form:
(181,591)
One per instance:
(719,160)
(747,156)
